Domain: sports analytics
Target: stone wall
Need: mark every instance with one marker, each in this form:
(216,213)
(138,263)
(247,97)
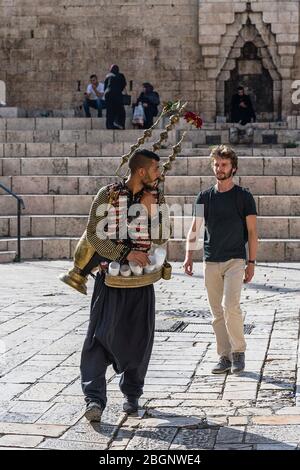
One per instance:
(184,47)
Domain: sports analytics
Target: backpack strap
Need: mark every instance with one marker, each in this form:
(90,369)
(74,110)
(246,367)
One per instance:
(240,203)
(207,195)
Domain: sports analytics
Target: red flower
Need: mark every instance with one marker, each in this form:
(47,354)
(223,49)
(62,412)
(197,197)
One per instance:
(194,119)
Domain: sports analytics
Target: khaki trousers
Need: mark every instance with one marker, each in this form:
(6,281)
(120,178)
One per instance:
(223,281)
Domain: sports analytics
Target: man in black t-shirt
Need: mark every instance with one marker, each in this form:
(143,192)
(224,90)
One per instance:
(229,213)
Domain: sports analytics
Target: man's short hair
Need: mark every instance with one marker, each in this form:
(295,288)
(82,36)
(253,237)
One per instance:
(240,88)
(93,76)
(226,152)
(142,159)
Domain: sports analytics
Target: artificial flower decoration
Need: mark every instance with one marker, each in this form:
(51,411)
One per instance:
(194,119)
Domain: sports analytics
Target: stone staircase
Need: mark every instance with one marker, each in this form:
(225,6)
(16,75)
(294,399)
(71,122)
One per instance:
(58,164)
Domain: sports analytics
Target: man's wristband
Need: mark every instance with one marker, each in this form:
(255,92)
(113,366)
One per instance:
(251,261)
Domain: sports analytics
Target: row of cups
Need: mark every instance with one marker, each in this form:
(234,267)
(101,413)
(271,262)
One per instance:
(125,270)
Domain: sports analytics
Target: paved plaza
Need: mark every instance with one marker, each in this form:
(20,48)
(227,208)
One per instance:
(43,325)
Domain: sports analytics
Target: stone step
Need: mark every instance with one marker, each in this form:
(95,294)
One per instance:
(116,147)
(106,166)
(74,226)
(271,250)
(93,136)
(80,204)
(63,247)
(174,185)
(7,256)
(209,134)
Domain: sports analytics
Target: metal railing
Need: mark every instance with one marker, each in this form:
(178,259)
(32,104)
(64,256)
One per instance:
(21,205)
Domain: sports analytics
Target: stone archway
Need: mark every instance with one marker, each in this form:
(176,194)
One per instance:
(250,64)
(257,82)
(225,27)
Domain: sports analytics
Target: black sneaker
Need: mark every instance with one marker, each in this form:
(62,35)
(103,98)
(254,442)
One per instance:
(131,405)
(238,362)
(224,365)
(93,411)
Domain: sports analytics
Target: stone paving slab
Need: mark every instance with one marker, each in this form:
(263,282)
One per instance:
(42,329)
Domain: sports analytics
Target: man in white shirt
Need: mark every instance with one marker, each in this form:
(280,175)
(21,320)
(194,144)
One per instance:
(94,96)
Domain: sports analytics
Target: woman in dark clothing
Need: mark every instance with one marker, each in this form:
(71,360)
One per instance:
(114,85)
(150,101)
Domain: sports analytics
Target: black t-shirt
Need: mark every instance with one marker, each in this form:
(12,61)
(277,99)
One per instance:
(224,236)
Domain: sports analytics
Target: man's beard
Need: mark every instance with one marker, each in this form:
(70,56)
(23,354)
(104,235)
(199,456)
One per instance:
(225,176)
(150,185)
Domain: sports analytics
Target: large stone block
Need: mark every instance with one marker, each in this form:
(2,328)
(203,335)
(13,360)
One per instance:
(103,166)
(99,136)
(271,251)
(11,166)
(71,226)
(283,205)
(294,223)
(38,204)
(273,227)
(43,226)
(88,150)
(56,248)
(112,149)
(288,185)
(78,136)
(250,166)
(9,112)
(19,136)
(179,167)
(63,150)
(20,124)
(277,166)
(46,136)
(38,150)
(14,150)
(78,166)
(7,182)
(199,166)
(76,123)
(259,185)
(292,251)
(63,185)
(30,248)
(49,124)
(182,185)
(77,205)
(4,226)
(92,184)
(30,185)
(25,226)
(44,166)
(296,166)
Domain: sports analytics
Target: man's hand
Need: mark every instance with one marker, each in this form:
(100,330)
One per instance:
(145,105)
(249,273)
(188,265)
(149,201)
(142,259)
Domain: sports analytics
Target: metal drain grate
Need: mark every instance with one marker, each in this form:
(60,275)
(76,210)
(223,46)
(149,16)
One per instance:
(169,326)
(185,313)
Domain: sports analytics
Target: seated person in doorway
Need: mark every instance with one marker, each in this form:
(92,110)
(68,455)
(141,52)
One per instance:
(150,101)
(94,96)
(242,110)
